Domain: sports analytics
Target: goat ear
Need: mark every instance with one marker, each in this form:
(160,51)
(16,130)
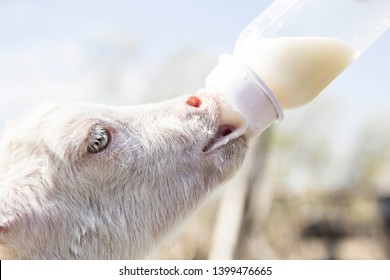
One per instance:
(3,229)
(12,211)
(11,218)
(6,219)
(6,253)
(16,216)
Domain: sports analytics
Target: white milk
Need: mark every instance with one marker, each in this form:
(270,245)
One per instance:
(296,69)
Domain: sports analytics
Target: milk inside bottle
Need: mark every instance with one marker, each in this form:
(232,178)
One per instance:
(296,69)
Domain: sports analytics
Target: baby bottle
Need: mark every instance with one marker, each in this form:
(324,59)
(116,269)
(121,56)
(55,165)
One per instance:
(289,53)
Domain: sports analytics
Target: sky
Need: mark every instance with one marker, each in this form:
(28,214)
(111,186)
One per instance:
(44,38)
(60,50)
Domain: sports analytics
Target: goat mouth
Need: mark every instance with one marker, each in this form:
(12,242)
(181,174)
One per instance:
(230,126)
(225,133)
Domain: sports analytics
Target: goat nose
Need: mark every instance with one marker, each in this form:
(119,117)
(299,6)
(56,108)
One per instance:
(194,101)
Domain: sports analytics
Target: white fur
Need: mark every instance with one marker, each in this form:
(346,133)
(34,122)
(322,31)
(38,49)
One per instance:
(58,201)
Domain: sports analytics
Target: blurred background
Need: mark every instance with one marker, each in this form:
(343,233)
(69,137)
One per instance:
(316,186)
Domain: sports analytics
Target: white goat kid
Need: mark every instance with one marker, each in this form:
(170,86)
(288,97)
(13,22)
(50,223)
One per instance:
(98,182)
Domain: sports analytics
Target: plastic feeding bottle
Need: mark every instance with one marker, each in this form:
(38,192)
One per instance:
(289,53)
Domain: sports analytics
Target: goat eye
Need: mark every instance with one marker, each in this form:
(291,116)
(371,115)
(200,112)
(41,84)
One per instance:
(98,140)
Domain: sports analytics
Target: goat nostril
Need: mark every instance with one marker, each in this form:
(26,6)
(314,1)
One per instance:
(194,101)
